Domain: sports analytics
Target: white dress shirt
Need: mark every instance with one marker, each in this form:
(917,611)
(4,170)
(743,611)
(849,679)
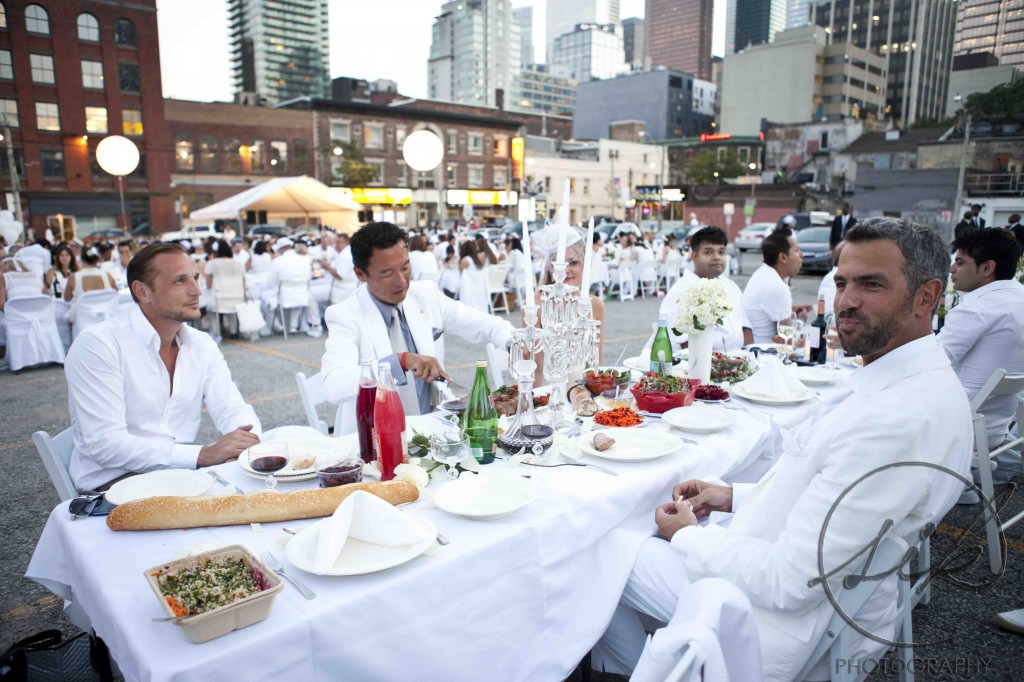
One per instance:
(125,417)
(421,262)
(346,286)
(771,548)
(766,300)
(985,333)
(729,334)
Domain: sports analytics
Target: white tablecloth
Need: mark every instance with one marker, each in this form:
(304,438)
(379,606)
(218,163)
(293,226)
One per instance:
(520,598)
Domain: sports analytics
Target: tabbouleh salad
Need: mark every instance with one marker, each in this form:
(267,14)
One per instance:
(210,585)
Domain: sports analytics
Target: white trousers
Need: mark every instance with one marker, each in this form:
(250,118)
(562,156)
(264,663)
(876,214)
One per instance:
(656,583)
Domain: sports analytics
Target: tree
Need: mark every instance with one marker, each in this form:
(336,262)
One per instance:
(1002,100)
(350,169)
(702,167)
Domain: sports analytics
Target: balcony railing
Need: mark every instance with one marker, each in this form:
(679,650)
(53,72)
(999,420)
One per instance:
(995,184)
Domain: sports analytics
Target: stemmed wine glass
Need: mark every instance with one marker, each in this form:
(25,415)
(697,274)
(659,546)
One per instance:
(787,328)
(832,341)
(268,458)
(450,449)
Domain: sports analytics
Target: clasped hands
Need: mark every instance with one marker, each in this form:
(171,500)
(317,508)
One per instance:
(692,500)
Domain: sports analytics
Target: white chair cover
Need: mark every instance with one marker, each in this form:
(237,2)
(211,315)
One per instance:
(32,336)
(92,308)
(228,292)
(293,293)
(714,619)
(22,284)
(61,308)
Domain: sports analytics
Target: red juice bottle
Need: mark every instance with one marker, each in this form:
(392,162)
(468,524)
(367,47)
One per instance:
(388,424)
(365,401)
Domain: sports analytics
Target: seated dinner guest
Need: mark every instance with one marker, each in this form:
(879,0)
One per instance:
(708,251)
(889,280)
(986,331)
(396,320)
(767,298)
(137,386)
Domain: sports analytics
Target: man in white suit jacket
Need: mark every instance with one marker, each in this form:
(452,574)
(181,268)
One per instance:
(904,405)
(359,328)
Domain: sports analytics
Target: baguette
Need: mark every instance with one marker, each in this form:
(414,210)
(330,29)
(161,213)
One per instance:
(166,513)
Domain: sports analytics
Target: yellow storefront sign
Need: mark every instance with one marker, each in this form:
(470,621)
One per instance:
(380,195)
(481,197)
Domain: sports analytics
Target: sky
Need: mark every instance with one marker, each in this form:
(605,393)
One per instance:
(370,40)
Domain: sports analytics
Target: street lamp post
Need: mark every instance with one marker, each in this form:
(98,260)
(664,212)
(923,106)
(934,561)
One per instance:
(12,168)
(963,164)
(118,156)
(661,173)
(424,151)
(613,154)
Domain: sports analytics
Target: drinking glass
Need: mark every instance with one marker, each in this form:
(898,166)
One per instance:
(787,328)
(832,339)
(268,458)
(450,449)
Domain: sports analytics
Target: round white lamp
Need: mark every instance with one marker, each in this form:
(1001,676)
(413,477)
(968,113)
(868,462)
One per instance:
(118,156)
(423,151)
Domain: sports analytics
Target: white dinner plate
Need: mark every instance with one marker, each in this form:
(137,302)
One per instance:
(300,448)
(699,419)
(632,446)
(854,361)
(765,400)
(485,497)
(174,482)
(357,556)
(817,376)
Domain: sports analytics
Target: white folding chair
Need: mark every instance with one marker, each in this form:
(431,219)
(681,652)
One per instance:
(92,308)
(833,647)
(599,277)
(497,363)
(21,284)
(32,336)
(228,292)
(648,277)
(292,295)
(496,289)
(311,393)
(56,455)
(671,271)
(1000,383)
(625,282)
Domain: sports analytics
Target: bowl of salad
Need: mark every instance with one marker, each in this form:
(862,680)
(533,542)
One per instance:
(730,369)
(658,394)
(601,379)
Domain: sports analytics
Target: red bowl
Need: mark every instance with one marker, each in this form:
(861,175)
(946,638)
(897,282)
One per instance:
(658,402)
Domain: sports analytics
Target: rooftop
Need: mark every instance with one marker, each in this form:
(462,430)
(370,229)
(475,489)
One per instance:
(908,141)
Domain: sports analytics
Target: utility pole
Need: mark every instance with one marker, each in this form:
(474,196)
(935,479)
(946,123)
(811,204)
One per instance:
(12,168)
(612,155)
(963,166)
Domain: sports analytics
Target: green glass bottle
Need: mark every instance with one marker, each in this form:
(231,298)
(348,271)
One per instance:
(661,343)
(479,421)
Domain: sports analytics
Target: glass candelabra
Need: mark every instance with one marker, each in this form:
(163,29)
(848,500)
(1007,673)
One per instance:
(525,431)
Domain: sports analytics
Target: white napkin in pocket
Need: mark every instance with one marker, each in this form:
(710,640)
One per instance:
(368,518)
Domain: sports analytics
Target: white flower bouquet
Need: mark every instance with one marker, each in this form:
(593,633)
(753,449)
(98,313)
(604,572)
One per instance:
(702,306)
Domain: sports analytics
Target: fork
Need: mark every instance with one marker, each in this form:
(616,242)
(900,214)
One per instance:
(274,565)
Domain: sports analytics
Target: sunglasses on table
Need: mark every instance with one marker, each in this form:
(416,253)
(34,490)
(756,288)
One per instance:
(89,504)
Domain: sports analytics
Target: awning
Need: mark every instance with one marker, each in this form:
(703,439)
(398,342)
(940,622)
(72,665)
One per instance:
(294,196)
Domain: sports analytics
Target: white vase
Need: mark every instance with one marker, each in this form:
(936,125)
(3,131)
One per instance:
(699,350)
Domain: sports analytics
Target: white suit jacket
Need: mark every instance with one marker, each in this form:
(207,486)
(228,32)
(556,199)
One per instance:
(906,406)
(356,332)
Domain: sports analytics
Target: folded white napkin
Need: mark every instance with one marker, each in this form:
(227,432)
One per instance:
(368,518)
(774,380)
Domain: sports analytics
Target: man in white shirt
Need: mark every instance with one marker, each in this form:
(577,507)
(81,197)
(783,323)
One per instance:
(37,257)
(767,298)
(889,281)
(708,251)
(119,267)
(137,386)
(343,276)
(395,320)
(985,332)
(241,250)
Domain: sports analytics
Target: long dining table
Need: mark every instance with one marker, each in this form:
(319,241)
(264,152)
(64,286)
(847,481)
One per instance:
(519,598)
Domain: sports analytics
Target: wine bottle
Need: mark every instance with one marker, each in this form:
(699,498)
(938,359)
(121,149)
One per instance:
(940,315)
(816,335)
(365,401)
(662,343)
(388,424)
(479,421)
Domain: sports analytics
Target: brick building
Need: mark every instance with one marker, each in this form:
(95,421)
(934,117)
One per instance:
(477,164)
(223,149)
(71,73)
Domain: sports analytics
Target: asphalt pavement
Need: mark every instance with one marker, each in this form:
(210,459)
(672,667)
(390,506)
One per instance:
(971,645)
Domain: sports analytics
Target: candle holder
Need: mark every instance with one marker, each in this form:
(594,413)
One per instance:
(525,431)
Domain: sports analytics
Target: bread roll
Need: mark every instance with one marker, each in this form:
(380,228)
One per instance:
(165,513)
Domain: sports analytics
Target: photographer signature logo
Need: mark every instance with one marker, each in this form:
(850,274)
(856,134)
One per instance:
(966,552)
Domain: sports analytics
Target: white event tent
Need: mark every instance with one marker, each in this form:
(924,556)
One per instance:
(298,196)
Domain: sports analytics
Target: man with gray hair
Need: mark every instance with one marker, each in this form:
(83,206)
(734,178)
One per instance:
(902,420)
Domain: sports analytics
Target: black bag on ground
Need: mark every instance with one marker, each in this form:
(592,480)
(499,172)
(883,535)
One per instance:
(43,657)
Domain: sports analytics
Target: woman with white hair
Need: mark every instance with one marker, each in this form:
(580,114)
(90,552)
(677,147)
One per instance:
(546,242)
